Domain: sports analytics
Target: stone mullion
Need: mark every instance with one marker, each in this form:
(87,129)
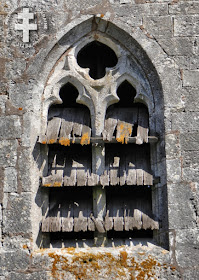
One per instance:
(99,192)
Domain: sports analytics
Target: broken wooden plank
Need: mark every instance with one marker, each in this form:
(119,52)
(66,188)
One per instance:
(109,128)
(104,178)
(67,216)
(108,224)
(137,215)
(140,162)
(114,170)
(77,123)
(53,130)
(142,130)
(131,168)
(80,222)
(81,172)
(122,169)
(124,131)
(66,127)
(118,214)
(54,215)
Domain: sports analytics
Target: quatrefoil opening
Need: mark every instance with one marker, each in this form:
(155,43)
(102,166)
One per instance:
(97,57)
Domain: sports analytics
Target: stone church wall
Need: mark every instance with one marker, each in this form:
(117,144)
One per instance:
(163,37)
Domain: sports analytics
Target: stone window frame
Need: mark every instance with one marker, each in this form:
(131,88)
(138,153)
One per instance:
(143,89)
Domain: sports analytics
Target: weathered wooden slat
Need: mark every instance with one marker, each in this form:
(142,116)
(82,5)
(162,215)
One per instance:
(122,170)
(128,213)
(86,134)
(45,224)
(118,214)
(131,168)
(80,222)
(148,179)
(58,169)
(109,126)
(104,179)
(142,130)
(82,172)
(124,131)
(53,130)
(67,215)
(114,171)
(93,179)
(54,215)
(108,224)
(73,175)
(66,127)
(140,162)
(86,130)
(137,223)
(77,123)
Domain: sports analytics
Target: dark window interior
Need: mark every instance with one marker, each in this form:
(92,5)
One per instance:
(96,56)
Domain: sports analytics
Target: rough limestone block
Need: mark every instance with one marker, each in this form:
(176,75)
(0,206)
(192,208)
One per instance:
(174,170)
(16,217)
(15,260)
(3,99)
(191,78)
(10,127)
(190,99)
(30,276)
(181,216)
(172,145)
(159,27)
(8,152)
(191,165)
(194,62)
(180,192)
(10,181)
(189,141)
(185,121)
(177,46)
(182,62)
(186,25)
(184,8)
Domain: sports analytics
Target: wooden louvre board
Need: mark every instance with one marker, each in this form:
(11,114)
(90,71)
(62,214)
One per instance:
(69,166)
(69,211)
(129,211)
(128,165)
(120,123)
(68,124)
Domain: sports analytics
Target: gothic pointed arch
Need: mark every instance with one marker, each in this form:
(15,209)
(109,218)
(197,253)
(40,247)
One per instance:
(110,122)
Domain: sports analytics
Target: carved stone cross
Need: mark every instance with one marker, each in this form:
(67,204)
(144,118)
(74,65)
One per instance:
(26,26)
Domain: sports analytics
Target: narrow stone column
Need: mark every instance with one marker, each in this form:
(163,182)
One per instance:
(99,194)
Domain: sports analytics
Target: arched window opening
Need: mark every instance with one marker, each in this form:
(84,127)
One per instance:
(126,93)
(96,56)
(68,94)
(107,187)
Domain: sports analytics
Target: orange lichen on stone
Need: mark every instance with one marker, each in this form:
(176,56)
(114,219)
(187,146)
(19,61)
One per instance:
(85,140)
(43,142)
(102,15)
(123,258)
(64,141)
(51,141)
(20,108)
(25,246)
(57,184)
(47,185)
(124,131)
(86,265)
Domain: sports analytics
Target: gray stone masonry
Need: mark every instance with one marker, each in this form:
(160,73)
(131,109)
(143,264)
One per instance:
(158,43)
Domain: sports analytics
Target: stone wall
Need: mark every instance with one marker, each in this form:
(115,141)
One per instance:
(163,36)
